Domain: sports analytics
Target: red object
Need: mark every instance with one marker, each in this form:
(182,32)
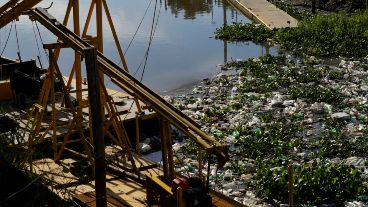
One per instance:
(179,182)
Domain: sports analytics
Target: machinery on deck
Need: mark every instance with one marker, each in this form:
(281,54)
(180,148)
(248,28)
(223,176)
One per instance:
(159,191)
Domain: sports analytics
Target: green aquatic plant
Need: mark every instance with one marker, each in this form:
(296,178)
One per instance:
(316,183)
(273,140)
(244,32)
(315,93)
(328,35)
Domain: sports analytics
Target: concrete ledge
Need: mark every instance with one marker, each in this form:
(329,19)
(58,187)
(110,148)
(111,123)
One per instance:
(263,12)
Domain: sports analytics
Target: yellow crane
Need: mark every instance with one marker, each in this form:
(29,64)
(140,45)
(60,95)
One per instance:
(84,45)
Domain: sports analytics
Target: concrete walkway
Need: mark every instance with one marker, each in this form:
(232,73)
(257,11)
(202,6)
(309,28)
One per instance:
(264,12)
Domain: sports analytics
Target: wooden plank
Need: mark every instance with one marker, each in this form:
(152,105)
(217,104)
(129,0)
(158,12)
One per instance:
(121,191)
(266,13)
(89,198)
(143,164)
(220,200)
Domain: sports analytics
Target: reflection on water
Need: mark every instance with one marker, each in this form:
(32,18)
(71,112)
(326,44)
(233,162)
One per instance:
(190,8)
(183,49)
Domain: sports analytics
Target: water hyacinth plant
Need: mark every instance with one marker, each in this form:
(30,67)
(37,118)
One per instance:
(328,35)
(244,32)
(316,184)
(277,110)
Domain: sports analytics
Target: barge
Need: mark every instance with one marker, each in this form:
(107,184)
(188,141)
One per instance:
(84,139)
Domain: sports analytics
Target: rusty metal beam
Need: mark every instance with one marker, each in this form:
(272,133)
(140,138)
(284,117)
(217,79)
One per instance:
(8,5)
(15,10)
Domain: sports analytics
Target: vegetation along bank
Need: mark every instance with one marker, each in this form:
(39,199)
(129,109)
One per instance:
(290,110)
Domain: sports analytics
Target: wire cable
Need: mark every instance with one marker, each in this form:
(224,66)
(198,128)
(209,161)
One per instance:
(145,57)
(7,39)
(39,34)
(38,46)
(136,31)
(153,31)
(16,35)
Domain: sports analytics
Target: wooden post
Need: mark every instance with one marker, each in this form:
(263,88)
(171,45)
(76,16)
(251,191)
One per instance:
(164,151)
(77,61)
(200,164)
(167,153)
(137,134)
(208,172)
(97,126)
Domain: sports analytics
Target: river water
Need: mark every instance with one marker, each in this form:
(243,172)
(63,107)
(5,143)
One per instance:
(183,49)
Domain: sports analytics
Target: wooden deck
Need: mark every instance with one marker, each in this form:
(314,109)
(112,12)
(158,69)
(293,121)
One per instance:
(125,106)
(264,12)
(121,191)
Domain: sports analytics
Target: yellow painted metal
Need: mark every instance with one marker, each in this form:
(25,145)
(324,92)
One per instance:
(87,145)
(168,113)
(179,197)
(99,25)
(162,185)
(167,153)
(65,22)
(88,19)
(77,59)
(53,102)
(117,43)
(130,84)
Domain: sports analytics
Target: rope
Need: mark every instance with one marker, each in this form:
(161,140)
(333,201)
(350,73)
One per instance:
(7,39)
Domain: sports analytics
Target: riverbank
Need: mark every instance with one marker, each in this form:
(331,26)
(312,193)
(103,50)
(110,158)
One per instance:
(277,110)
(290,112)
